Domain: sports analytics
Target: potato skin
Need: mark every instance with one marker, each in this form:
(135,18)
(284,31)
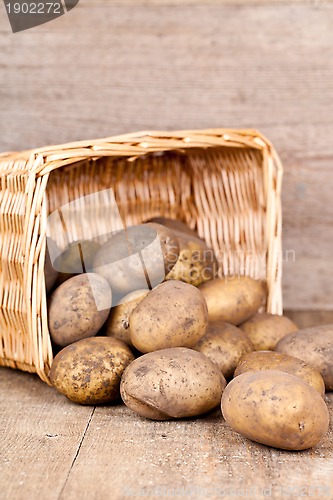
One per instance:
(89,371)
(270,360)
(172,383)
(275,409)
(233,299)
(225,344)
(69,263)
(315,347)
(78,308)
(169,244)
(196,263)
(265,330)
(174,314)
(132,255)
(117,324)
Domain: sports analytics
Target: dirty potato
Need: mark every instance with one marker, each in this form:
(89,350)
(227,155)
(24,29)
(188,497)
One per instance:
(315,347)
(225,344)
(196,263)
(76,259)
(276,409)
(89,371)
(173,314)
(233,299)
(265,330)
(78,308)
(136,258)
(117,324)
(169,245)
(270,360)
(175,225)
(172,383)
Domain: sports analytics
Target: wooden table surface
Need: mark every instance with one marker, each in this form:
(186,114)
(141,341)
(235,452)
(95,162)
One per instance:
(51,448)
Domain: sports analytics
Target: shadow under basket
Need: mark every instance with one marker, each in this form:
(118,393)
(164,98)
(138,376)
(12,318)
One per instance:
(224,183)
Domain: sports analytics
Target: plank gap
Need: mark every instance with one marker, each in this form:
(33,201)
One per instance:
(77,451)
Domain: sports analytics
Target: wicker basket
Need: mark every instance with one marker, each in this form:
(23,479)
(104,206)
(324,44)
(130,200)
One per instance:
(225,183)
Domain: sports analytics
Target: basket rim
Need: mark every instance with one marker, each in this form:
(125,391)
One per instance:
(136,144)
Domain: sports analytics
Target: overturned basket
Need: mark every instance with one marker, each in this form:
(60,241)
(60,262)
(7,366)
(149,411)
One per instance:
(224,183)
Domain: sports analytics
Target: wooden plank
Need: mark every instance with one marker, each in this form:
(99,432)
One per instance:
(306,319)
(40,435)
(166,73)
(125,455)
(112,67)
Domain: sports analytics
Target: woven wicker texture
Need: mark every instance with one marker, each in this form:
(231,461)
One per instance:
(225,183)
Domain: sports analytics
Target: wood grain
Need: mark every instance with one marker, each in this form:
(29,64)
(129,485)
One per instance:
(306,319)
(202,456)
(40,435)
(110,67)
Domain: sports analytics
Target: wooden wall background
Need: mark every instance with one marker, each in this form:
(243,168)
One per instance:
(110,67)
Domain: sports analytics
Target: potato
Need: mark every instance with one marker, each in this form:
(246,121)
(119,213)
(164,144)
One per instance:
(315,347)
(169,244)
(173,314)
(233,299)
(117,324)
(78,308)
(225,344)
(269,360)
(136,258)
(197,262)
(89,371)
(76,259)
(265,330)
(175,225)
(172,383)
(276,409)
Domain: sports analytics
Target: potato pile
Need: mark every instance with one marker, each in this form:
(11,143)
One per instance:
(146,319)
